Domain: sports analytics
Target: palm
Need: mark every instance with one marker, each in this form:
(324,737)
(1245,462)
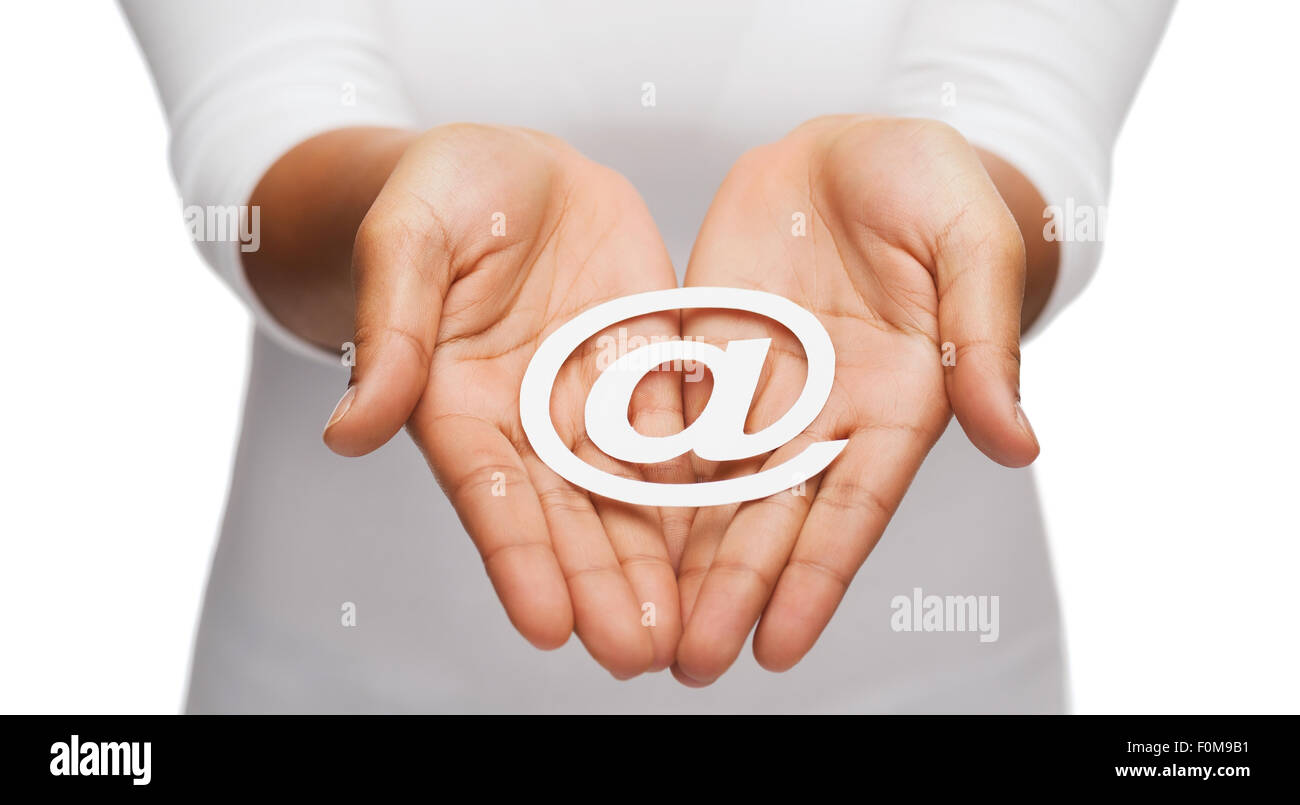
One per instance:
(576,238)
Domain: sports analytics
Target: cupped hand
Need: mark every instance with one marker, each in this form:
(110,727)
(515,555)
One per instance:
(484,240)
(893,234)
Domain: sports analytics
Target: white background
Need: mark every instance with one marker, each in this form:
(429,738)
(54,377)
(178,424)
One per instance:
(1165,399)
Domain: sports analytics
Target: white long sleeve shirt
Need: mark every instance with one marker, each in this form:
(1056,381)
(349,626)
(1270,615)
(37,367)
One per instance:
(307,535)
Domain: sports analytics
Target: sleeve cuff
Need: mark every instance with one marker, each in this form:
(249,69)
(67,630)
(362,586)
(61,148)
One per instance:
(222,146)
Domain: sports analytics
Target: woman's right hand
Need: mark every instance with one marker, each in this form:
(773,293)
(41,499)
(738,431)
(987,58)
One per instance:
(482,241)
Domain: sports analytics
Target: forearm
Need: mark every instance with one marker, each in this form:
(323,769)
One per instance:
(312,200)
(1042,256)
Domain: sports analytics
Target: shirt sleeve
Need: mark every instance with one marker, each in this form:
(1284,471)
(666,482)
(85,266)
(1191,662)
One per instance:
(1045,84)
(242,82)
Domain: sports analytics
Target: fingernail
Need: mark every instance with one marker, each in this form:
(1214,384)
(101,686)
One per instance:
(1024,423)
(341,410)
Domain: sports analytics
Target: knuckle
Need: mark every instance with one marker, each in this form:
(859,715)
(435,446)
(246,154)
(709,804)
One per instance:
(758,161)
(492,556)
(482,480)
(564,500)
(379,230)
(642,560)
(783,507)
(692,573)
(999,351)
(743,571)
(595,571)
(983,236)
(839,579)
(462,129)
(372,338)
(404,235)
(1007,245)
(854,498)
(935,133)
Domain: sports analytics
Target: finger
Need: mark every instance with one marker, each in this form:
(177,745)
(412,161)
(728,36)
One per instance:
(781,374)
(642,537)
(657,409)
(853,504)
(707,529)
(606,612)
(741,577)
(709,523)
(488,484)
(645,540)
(635,533)
(400,272)
(979,262)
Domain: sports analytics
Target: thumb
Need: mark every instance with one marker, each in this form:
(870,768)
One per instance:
(400,274)
(980,273)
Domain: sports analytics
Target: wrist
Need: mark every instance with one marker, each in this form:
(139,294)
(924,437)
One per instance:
(312,201)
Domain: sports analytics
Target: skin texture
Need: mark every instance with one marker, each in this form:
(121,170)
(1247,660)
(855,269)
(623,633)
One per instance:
(912,239)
